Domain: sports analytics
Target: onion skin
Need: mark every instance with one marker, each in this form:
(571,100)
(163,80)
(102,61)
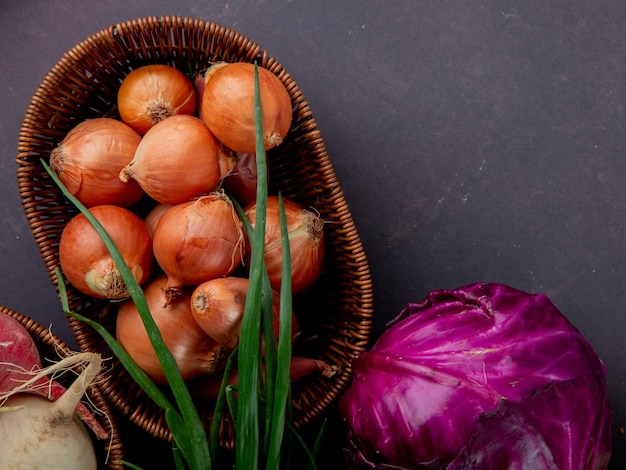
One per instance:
(198,240)
(217,306)
(195,352)
(152,93)
(228,106)
(89,159)
(86,262)
(306,242)
(176,161)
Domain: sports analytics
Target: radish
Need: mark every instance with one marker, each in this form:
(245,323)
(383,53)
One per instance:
(39,434)
(18,353)
(19,357)
(40,420)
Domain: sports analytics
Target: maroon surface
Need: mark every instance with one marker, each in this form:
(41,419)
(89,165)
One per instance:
(475,141)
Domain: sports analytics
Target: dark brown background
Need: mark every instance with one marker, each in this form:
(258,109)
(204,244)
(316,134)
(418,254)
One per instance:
(474,141)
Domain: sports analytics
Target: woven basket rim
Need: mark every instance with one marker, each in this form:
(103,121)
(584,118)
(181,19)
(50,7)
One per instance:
(175,36)
(43,337)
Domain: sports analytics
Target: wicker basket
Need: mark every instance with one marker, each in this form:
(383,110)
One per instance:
(83,84)
(109,452)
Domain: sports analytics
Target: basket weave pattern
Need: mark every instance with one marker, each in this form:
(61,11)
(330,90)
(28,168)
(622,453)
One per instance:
(83,84)
(110,452)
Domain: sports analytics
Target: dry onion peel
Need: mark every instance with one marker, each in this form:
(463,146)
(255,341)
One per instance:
(152,217)
(241,180)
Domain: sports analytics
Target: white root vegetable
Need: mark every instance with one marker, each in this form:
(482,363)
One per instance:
(39,434)
(19,360)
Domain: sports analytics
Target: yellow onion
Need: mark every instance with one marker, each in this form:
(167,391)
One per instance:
(217,305)
(152,93)
(241,179)
(177,160)
(306,242)
(194,351)
(86,262)
(198,240)
(152,218)
(228,106)
(89,159)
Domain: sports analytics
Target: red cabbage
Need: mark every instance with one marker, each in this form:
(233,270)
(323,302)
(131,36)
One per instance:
(481,377)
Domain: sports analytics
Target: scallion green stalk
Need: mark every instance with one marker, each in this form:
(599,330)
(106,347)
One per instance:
(184,423)
(247,433)
(259,408)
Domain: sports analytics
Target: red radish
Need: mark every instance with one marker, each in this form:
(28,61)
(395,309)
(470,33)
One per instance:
(20,358)
(18,352)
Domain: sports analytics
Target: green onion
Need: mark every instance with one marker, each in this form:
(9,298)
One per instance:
(247,432)
(218,412)
(283,382)
(184,424)
(260,408)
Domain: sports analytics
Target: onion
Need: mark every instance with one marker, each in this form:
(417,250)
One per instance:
(306,241)
(199,80)
(177,160)
(197,241)
(217,306)
(86,262)
(241,180)
(194,351)
(89,159)
(152,218)
(152,93)
(228,106)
